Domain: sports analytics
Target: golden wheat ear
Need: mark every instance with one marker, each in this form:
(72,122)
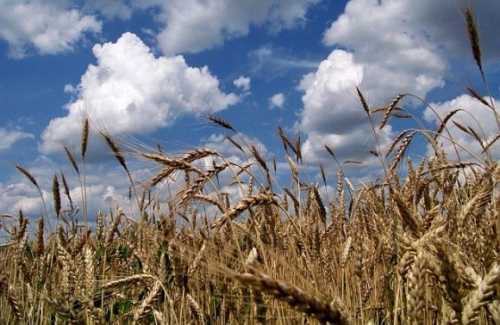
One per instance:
(221,122)
(28,175)
(85,138)
(293,296)
(56,195)
(116,151)
(473,35)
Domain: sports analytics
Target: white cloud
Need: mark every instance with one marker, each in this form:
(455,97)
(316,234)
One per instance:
(332,113)
(48,26)
(193,25)
(243,83)
(110,8)
(19,196)
(9,137)
(70,89)
(420,20)
(334,82)
(55,26)
(105,188)
(23,196)
(474,115)
(130,91)
(409,51)
(397,55)
(277,100)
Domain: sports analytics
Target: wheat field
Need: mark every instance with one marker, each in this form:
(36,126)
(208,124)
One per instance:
(417,246)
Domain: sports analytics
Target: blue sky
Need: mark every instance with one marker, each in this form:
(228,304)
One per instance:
(137,69)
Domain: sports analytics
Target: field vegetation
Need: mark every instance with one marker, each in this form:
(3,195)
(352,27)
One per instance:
(417,246)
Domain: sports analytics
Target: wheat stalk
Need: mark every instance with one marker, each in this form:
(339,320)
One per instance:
(293,296)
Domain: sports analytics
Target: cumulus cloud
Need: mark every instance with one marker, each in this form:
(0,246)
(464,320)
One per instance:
(409,51)
(18,196)
(21,195)
(47,26)
(277,100)
(243,83)
(193,25)
(473,114)
(190,26)
(421,19)
(105,188)
(9,137)
(130,91)
(332,113)
(397,55)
